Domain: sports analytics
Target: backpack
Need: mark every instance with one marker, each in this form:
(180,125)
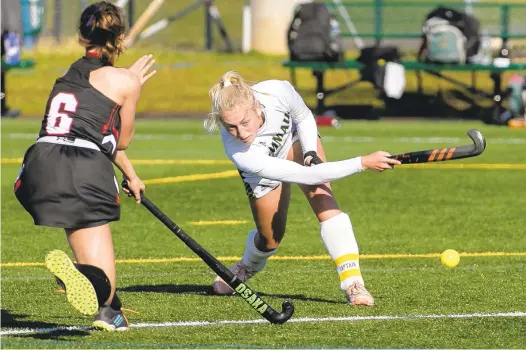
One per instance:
(450,36)
(383,69)
(516,93)
(314,34)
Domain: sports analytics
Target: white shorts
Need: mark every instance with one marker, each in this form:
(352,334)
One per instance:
(257,186)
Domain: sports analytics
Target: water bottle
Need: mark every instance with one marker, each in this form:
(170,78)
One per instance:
(335,44)
(335,28)
(12,48)
(486,48)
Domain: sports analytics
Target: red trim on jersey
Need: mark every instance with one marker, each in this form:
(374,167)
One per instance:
(17,184)
(93,54)
(106,126)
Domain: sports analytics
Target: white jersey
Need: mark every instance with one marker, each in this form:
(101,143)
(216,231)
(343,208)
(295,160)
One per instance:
(263,164)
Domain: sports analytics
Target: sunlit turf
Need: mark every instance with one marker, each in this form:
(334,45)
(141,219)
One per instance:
(405,211)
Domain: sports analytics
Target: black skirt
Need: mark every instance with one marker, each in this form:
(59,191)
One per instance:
(68,186)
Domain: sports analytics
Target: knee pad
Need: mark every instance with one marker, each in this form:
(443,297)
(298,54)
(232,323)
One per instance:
(98,279)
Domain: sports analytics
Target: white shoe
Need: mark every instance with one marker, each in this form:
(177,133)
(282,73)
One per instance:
(357,295)
(241,271)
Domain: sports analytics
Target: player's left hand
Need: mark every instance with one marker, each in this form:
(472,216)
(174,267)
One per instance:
(134,187)
(311,158)
(141,67)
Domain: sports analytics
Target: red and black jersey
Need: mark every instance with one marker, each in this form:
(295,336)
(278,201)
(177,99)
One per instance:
(75,109)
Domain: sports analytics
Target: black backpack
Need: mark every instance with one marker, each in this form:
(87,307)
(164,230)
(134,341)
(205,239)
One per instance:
(374,57)
(314,35)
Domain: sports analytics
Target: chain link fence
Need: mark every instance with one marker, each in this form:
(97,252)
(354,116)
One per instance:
(187,32)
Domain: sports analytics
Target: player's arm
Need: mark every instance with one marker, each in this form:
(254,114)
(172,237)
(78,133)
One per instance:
(305,123)
(132,91)
(125,166)
(272,168)
(133,79)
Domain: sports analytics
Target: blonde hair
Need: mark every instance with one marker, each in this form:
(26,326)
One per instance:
(101,26)
(229,92)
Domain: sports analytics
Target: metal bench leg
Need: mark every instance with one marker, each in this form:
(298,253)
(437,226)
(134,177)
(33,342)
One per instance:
(419,89)
(497,95)
(293,76)
(320,91)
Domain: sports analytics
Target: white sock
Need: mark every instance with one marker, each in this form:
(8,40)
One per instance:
(253,257)
(338,236)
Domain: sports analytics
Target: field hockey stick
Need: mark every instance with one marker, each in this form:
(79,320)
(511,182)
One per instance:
(163,23)
(214,13)
(150,11)
(251,297)
(443,154)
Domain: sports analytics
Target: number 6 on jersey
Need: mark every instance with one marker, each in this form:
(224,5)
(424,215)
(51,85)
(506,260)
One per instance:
(58,122)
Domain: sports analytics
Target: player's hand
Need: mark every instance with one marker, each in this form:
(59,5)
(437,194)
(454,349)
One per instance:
(378,161)
(311,158)
(134,188)
(141,67)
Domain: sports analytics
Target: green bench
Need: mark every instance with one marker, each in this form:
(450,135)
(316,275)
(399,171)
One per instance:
(319,69)
(381,20)
(23,64)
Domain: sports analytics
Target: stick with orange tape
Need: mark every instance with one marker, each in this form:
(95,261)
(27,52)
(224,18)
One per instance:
(450,153)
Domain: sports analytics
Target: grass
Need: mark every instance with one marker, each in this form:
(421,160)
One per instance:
(411,210)
(183,80)
(409,17)
(185,74)
(188,33)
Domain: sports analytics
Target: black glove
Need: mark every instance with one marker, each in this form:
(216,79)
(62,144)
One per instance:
(125,186)
(311,158)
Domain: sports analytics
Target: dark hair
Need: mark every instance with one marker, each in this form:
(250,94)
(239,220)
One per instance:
(101,26)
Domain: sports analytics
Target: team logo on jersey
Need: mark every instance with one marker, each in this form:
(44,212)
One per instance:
(278,139)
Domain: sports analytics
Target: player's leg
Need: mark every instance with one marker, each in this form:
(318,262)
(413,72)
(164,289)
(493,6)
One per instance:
(94,247)
(93,250)
(337,235)
(82,179)
(270,216)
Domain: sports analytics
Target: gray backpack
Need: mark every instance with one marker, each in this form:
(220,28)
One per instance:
(445,42)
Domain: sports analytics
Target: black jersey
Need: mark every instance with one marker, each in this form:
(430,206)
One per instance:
(75,109)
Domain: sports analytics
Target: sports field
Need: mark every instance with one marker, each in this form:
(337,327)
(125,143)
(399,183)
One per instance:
(403,219)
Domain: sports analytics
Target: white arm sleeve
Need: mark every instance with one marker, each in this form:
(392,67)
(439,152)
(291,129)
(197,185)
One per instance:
(301,116)
(287,171)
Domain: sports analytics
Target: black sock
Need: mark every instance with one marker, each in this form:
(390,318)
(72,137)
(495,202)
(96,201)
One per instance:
(98,279)
(116,302)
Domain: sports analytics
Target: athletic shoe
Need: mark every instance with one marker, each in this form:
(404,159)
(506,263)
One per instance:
(357,295)
(79,290)
(110,320)
(241,271)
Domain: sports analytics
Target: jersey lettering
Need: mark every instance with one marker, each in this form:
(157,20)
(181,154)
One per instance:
(58,121)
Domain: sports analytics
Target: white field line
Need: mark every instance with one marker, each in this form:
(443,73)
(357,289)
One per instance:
(21,331)
(344,139)
(203,271)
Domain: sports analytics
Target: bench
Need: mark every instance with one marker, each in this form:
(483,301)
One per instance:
(319,69)
(404,22)
(23,64)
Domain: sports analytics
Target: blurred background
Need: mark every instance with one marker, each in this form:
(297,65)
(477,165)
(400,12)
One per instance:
(59,20)
(196,41)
